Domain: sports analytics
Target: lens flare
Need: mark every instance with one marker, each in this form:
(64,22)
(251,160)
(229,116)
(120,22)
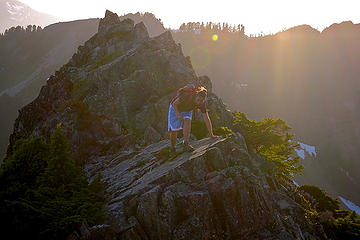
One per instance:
(215,37)
(200,57)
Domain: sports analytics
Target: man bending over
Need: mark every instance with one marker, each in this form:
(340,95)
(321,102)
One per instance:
(180,114)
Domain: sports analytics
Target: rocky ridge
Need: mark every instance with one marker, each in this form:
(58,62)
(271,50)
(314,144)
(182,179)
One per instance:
(111,100)
(117,86)
(219,191)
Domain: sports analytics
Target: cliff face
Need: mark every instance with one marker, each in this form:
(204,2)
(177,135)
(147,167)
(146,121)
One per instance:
(112,100)
(219,191)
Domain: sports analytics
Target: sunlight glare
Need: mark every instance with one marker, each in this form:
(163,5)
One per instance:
(200,57)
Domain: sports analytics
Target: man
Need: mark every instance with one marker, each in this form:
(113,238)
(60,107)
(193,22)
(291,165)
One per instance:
(180,114)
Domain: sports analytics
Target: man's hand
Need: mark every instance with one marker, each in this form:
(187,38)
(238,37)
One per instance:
(181,118)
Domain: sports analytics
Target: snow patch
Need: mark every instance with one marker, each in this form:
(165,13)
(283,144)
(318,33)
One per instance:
(347,174)
(14,9)
(239,86)
(352,206)
(296,184)
(17,8)
(11,12)
(309,149)
(14,6)
(300,153)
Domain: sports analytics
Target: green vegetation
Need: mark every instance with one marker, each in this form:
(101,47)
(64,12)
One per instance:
(222,131)
(121,35)
(81,109)
(83,115)
(338,224)
(213,27)
(106,59)
(77,105)
(198,128)
(323,201)
(83,87)
(44,194)
(271,139)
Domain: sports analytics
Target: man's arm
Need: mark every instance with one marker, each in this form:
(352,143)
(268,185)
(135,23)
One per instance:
(207,121)
(175,106)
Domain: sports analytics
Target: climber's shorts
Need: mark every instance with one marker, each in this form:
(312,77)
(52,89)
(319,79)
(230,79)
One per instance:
(174,123)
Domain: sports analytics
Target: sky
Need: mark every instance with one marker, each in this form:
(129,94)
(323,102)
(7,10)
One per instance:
(266,16)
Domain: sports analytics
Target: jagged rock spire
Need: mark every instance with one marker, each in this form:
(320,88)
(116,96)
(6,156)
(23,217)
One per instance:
(111,22)
(141,31)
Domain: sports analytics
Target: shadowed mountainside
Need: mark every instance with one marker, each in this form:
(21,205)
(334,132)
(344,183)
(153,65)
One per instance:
(306,77)
(28,58)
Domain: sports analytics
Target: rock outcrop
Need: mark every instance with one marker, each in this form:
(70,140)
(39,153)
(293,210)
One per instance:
(112,100)
(219,191)
(115,87)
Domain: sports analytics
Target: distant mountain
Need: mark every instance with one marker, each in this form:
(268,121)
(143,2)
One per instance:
(300,31)
(27,59)
(22,50)
(15,13)
(306,77)
(342,29)
(153,24)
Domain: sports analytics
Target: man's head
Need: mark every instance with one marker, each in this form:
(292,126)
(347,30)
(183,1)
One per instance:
(201,96)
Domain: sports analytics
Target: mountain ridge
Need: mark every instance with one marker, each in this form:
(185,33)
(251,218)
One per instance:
(122,135)
(59,42)
(14,13)
(309,80)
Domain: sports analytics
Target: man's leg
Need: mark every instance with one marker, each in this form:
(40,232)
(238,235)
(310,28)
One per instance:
(187,129)
(173,137)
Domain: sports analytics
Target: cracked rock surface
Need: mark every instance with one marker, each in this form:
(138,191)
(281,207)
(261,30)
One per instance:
(211,193)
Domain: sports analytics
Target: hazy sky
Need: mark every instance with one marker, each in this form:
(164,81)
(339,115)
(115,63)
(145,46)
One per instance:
(257,15)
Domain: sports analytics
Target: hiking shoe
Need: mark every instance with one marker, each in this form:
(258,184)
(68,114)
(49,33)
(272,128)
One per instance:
(187,147)
(172,152)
